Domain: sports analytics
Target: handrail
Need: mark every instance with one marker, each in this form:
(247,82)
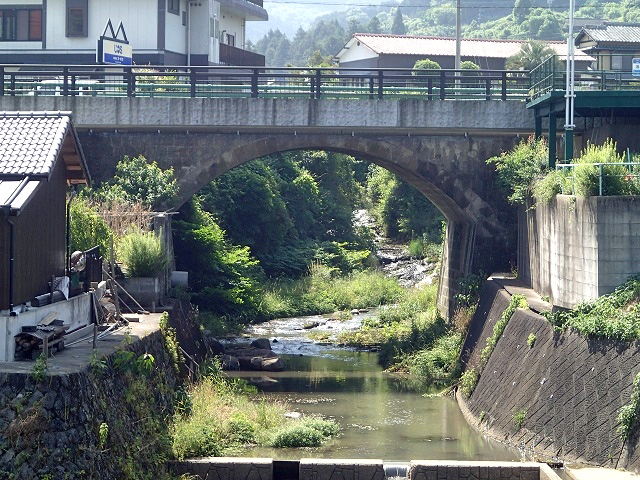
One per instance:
(259,81)
(602,175)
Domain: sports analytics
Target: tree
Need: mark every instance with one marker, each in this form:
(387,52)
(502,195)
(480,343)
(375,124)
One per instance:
(521,9)
(398,27)
(531,54)
(425,64)
(374,25)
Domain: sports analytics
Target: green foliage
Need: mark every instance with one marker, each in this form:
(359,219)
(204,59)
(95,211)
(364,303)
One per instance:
(531,54)
(421,247)
(518,168)
(517,301)
(222,420)
(171,341)
(531,340)
(469,65)
(519,418)
(39,369)
(425,64)
(139,181)
(143,254)
(468,382)
(87,229)
(398,27)
(308,433)
(469,290)
(482,416)
(628,414)
(546,188)
(97,363)
(615,316)
(437,364)
(103,433)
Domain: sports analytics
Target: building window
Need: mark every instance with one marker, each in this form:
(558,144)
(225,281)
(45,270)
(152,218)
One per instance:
(231,40)
(173,6)
(20,24)
(77,18)
(616,62)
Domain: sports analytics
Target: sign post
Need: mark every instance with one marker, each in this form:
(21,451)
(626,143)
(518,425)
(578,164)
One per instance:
(113,50)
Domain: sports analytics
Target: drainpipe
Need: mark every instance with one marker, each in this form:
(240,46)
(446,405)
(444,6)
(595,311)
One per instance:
(68,233)
(188,33)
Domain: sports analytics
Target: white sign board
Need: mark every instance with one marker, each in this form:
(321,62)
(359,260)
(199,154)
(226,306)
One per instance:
(635,67)
(115,52)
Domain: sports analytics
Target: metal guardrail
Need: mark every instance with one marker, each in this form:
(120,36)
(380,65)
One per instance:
(260,82)
(631,173)
(551,76)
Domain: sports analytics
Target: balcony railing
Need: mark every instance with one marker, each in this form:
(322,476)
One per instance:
(236,56)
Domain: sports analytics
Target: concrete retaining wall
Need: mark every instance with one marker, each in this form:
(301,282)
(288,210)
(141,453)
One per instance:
(576,249)
(570,387)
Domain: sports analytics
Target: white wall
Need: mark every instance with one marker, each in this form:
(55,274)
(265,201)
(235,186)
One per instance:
(175,32)
(140,19)
(214,42)
(357,52)
(200,18)
(233,25)
(74,312)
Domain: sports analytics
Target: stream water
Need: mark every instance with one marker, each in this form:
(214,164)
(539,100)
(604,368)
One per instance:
(382,415)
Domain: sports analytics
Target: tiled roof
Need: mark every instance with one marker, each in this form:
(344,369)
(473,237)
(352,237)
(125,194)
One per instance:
(31,142)
(446,46)
(614,32)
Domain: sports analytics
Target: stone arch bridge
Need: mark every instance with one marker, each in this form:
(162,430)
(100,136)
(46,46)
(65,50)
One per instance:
(439,146)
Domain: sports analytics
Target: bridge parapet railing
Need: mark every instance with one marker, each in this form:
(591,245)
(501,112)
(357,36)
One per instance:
(616,178)
(261,82)
(602,73)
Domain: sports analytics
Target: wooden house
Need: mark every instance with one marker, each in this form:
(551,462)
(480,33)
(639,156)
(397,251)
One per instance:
(40,157)
(613,44)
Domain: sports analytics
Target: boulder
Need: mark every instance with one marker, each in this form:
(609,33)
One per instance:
(310,325)
(261,343)
(272,364)
(214,345)
(256,363)
(230,363)
(245,363)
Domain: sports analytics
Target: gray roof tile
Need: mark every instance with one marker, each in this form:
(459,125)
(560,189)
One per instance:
(612,32)
(30,142)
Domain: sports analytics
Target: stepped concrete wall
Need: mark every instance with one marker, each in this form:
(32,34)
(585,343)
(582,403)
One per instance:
(576,249)
(570,386)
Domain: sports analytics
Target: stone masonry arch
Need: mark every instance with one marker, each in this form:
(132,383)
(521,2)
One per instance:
(450,170)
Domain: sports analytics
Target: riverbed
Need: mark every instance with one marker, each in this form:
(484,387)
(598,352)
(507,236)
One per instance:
(382,415)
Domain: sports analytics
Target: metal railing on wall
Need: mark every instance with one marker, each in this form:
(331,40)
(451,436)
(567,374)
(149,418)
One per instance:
(260,82)
(611,178)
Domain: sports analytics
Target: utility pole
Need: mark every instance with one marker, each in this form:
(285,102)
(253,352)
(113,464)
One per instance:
(570,93)
(458,35)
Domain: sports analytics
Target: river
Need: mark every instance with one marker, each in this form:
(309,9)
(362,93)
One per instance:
(382,415)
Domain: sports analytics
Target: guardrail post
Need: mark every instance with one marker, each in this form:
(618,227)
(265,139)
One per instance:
(318,83)
(2,84)
(380,84)
(487,88)
(65,81)
(193,82)
(442,85)
(312,87)
(371,90)
(12,84)
(504,85)
(600,175)
(73,85)
(130,83)
(429,88)
(254,83)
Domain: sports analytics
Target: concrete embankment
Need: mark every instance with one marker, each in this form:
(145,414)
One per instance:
(566,389)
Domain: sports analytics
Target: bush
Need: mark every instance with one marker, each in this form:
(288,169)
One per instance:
(438,364)
(468,382)
(310,432)
(87,229)
(546,188)
(616,179)
(426,64)
(517,301)
(143,254)
(518,168)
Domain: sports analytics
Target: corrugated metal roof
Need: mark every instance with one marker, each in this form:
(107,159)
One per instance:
(30,143)
(383,44)
(613,32)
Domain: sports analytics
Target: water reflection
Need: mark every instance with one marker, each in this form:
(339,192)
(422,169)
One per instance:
(382,415)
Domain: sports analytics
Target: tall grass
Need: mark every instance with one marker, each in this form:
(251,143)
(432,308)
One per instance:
(143,254)
(218,418)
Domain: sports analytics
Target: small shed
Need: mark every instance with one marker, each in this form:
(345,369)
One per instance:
(614,44)
(40,157)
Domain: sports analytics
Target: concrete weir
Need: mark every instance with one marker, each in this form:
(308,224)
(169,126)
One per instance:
(221,468)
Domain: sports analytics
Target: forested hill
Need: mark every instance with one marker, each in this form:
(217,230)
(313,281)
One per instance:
(522,19)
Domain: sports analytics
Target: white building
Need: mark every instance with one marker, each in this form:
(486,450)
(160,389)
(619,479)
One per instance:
(161,32)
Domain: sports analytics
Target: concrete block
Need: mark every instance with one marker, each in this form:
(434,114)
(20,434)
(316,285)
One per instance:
(341,469)
(228,468)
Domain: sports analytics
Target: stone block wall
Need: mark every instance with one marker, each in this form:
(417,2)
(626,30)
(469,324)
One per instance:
(51,429)
(570,387)
(576,249)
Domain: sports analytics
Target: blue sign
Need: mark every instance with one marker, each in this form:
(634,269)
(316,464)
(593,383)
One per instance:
(116,53)
(635,67)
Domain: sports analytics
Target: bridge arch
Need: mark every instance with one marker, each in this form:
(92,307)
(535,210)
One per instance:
(450,170)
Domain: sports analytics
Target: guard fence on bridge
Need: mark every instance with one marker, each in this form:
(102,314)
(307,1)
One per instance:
(212,82)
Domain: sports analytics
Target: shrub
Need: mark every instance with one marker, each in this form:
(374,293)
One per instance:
(425,64)
(519,418)
(468,382)
(143,254)
(531,340)
(628,414)
(438,364)
(518,168)
(546,188)
(517,301)
(311,432)
(87,229)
